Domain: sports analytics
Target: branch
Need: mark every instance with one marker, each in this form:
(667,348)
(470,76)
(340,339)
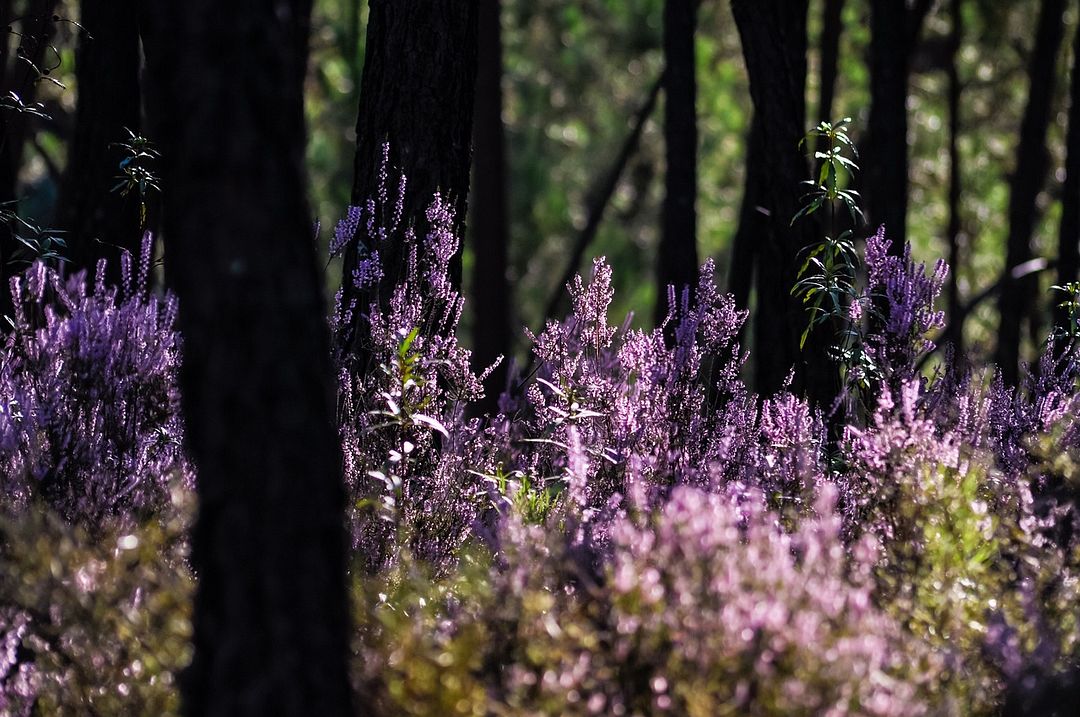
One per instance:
(1020,271)
(602,199)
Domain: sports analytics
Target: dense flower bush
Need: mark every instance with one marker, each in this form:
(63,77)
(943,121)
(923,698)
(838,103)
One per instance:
(89,407)
(634,533)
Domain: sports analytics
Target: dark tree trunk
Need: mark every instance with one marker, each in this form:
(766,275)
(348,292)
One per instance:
(1018,297)
(773,34)
(226,99)
(37,27)
(677,257)
(1069,236)
(832,27)
(19,76)
(918,11)
(753,220)
(887,169)
(416,95)
(955,334)
(100,222)
(491,295)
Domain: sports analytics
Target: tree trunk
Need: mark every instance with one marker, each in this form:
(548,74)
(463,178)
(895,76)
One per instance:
(491,295)
(98,221)
(1018,297)
(773,34)
(1069,236)
(888,161)
(677,257)
(226,99)
(955,334)
(37,27)
(832,27)
(416,95)
(753,219)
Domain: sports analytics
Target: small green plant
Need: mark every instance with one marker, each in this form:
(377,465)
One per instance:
(1067,333)
(137,174)
(403,414)
(36,243)
(828,278)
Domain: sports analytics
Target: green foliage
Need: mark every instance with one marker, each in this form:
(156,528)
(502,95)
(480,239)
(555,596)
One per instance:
(34,242)
(530,499)
(828,277)
(137,174)
(1068,333)
(107,614)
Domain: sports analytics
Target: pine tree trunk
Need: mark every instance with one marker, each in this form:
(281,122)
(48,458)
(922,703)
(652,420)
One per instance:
(1069,235)
(887,167)
(677,257)
(99,222)
(226,99)
(832,27)
(490,226)
(954,231)
(1018,296)
(37,27)
(773,34)
(416,95)
(753,220)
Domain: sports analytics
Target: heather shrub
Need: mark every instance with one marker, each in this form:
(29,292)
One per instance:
(94,623)
(949,576)
(634,532)
(683,619)
(404,385)
(89,404)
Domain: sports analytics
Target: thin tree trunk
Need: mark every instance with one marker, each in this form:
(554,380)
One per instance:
(270,618)
(832,27)
(1069,234)
(491,294)
(417,96)
(1018,297)
(773,34)
(887,169)
(677,257)
(99,222)
(955,228)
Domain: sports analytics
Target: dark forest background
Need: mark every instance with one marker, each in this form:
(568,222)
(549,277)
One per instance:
(571,158)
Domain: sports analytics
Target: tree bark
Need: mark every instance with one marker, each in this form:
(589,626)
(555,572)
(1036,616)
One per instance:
(887,169)
(100,222)
(1018,297)
(19,76)
(1069,234)
(491,294)
(677,256)
(773,34)
(753,220)
(955,229)
(226,99)
(417,96)
(832,27)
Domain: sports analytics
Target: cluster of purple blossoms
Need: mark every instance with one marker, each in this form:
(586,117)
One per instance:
(89,402)
(635,532)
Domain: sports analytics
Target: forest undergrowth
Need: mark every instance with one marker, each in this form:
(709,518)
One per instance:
(635,532)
